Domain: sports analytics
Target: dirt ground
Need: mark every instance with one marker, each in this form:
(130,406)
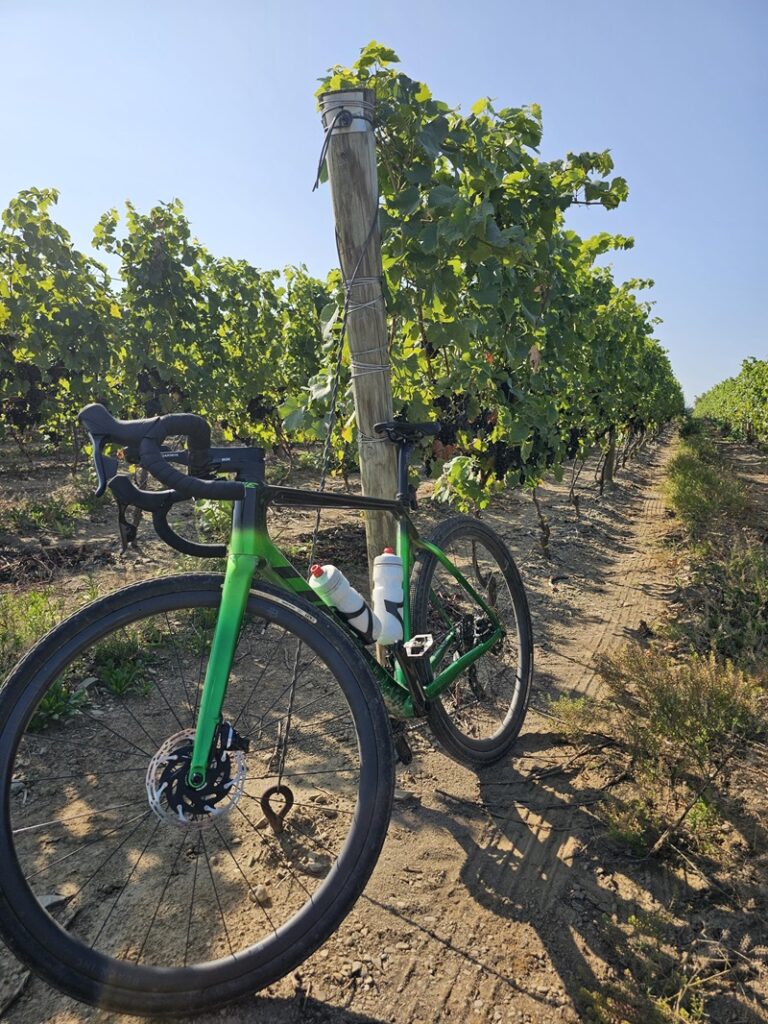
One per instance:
(497,896)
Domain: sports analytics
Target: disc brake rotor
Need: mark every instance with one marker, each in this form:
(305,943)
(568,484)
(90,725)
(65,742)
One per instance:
(174,800)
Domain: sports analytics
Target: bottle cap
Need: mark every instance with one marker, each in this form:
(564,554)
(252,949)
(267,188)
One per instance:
(316,570)
(389,551)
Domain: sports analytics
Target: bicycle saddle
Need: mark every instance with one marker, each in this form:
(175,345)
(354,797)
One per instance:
(399,432)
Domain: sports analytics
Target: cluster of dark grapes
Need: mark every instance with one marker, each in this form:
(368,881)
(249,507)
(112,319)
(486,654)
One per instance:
(25,411)
(499,458)
(260,408)
(153,389)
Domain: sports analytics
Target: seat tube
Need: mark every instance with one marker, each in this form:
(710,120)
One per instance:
(242,562)
(403,452)
(404,551)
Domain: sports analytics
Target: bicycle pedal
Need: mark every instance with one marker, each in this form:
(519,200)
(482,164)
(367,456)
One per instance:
(418,646)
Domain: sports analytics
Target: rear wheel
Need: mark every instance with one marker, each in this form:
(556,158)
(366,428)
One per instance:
(478,717)
(120,884)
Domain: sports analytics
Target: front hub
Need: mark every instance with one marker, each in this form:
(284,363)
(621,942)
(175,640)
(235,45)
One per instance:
(171,795)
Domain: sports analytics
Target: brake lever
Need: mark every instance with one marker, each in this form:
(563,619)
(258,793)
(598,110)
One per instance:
(106,466)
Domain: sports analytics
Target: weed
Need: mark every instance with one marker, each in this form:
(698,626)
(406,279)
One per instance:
(726,607)
(24,618)
(690,427)
(703,491)
(60,701)
(213,519)
(49,515)
(681,717)
(310,458)
(703,825)
(198,630)
(631,823)
(656,988)
(576,717)
(120,663)
(682,724)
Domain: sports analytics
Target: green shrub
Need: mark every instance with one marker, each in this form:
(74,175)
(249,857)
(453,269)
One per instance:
(703,492)
(726,610)
(24,617)
(681,718)
(656,988)
(120,662)
(576,717)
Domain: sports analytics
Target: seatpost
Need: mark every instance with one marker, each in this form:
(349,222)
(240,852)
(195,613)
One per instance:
(403,452)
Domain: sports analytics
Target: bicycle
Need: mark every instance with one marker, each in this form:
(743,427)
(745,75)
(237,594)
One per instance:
(196,824)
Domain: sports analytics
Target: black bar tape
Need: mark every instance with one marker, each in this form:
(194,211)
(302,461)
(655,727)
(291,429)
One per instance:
(190,486)
(187,547)
(199,434)
(147,435)
(99,422)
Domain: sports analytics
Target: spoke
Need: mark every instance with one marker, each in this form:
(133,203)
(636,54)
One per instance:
(200,678)
(178,663)
(162,896)
(192,901)
(328,721)
(122,843)
(342,714)
(270,840)
(324,807)
(98,721)
(313,839)
(81,775)
(77,744)
(160,689)
(296,775)
(125,884)
(281,694)
(250,888)
(317,807)
(72,817)
(254,687)
(91,842)
(216,894)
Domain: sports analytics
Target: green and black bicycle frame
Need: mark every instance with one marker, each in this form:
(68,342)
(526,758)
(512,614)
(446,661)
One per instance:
(414,678)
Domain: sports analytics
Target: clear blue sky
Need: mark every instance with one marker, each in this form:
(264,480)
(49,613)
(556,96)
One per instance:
(213,104)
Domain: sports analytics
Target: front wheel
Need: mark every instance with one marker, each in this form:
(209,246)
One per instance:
(479,715)
(126,888)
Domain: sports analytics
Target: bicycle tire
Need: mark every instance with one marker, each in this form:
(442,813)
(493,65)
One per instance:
(51,824)
(475,720)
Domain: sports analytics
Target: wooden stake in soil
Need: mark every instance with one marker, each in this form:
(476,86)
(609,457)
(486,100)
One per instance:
(352,173)
(609,465)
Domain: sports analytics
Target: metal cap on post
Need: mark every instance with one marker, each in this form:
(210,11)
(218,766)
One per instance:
(352,172)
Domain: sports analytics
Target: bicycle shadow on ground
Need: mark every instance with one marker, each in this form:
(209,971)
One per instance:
(536,857)
(300,1009)
(255,1009)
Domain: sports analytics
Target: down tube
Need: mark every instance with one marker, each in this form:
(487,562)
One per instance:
(275,567)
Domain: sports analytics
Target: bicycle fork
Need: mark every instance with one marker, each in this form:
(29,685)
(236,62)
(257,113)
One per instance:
(242,563)
(250,551)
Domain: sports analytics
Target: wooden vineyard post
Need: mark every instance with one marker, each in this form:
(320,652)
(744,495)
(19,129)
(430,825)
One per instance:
(610,462)
(352,173)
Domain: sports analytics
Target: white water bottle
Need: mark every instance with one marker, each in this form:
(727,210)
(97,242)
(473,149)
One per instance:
(335,590)
(388,595)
